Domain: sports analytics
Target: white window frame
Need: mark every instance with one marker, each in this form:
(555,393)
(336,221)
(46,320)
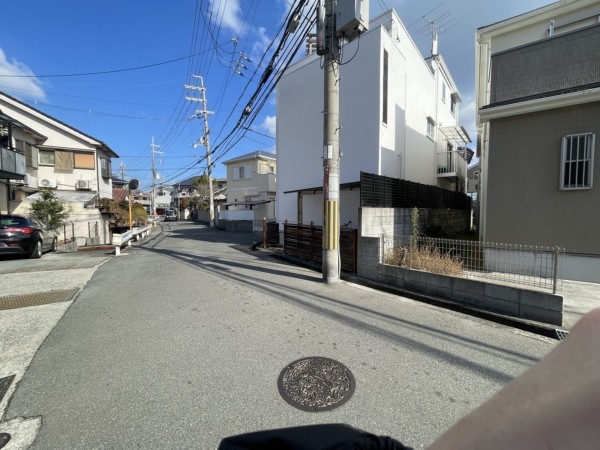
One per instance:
(430,128)
(579,161)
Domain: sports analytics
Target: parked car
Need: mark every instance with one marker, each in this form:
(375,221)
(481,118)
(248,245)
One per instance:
(170,214)
(25,236)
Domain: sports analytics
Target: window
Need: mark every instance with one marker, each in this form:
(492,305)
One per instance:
(46,158)
(63,160)
(384,116)
(430,128)
(241,176)
(443,92)
(577,161)
(452,105)
(85,161)
(105,167)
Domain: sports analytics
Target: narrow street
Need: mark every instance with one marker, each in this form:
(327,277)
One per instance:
(180,341)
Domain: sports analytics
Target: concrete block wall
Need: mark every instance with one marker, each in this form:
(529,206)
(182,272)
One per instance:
(506,300)
(236,226)
(398,221)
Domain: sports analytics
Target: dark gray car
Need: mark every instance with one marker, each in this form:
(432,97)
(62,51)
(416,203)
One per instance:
(20,235)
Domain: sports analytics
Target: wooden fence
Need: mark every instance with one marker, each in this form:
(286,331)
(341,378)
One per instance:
(306,242)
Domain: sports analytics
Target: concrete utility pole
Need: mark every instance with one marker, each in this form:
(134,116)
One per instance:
(154,176)
(331,150)
(205,140)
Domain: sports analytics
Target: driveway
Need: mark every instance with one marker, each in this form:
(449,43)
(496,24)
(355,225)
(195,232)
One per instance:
(34,296)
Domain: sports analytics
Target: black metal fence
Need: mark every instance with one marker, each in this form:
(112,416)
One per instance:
(379,191)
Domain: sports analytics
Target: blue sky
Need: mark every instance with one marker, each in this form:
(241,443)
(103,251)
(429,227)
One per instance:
(72,60)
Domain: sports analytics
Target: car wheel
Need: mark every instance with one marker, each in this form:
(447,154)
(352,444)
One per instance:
(54,245)
(37,251)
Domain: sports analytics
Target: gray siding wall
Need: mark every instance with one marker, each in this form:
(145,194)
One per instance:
(554,64)
(524,202)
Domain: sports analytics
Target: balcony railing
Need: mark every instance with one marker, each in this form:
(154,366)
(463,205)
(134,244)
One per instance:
(12,163)
(451,164)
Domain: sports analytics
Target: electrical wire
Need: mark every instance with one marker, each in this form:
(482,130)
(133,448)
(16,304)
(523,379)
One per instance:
(103,72)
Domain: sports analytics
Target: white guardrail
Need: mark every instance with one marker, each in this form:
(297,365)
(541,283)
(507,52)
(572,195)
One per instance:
(121,239)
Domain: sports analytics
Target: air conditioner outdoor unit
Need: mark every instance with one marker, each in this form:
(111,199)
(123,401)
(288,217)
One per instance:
(31,181)
(83,184)
(48,182)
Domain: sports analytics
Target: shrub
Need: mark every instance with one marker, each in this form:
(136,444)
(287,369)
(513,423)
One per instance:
(428,259)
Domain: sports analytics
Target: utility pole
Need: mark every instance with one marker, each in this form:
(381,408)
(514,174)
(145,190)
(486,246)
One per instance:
(154,176)
(122,169)
(205,140)
(331,147)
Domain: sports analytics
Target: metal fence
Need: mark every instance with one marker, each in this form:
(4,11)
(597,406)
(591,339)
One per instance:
(377,191)
(93,229)
(68,232)
(505,263)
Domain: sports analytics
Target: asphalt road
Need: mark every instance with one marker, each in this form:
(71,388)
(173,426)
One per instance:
(179,342)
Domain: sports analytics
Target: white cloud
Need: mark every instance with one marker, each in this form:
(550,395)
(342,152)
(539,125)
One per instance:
(269,124)
(229,16)
(16,83)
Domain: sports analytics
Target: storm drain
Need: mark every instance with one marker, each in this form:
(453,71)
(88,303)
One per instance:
(4,385)
(316,384)
(561,334)
(40,298)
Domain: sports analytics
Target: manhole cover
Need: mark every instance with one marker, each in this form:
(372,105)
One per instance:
(316,384)
(4,438)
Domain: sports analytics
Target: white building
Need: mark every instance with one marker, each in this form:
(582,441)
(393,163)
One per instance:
(250,188)
(399,116)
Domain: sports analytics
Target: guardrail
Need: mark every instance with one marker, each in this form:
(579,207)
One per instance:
(121,239)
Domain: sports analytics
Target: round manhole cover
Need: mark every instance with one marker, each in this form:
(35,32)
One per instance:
(316,384)
(4,438)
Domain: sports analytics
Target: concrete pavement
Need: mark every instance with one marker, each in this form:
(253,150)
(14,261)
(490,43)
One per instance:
(24,329)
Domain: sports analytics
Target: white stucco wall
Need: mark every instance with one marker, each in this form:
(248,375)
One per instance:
(399,149)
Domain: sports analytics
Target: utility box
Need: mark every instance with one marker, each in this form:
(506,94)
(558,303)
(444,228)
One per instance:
(352,18)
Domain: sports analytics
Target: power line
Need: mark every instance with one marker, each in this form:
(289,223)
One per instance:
(103,72)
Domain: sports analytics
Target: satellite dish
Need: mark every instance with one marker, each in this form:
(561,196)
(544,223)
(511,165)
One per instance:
(133,184)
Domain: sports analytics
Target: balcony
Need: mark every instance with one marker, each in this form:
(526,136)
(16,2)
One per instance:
(265,182)
(12,164)
(451,165)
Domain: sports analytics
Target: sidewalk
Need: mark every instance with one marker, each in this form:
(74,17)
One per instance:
(578,299)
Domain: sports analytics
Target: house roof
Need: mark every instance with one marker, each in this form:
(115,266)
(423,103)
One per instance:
(253,155)
(343,187)
(21,125)
(68,196)
(54,119)
(119,195)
